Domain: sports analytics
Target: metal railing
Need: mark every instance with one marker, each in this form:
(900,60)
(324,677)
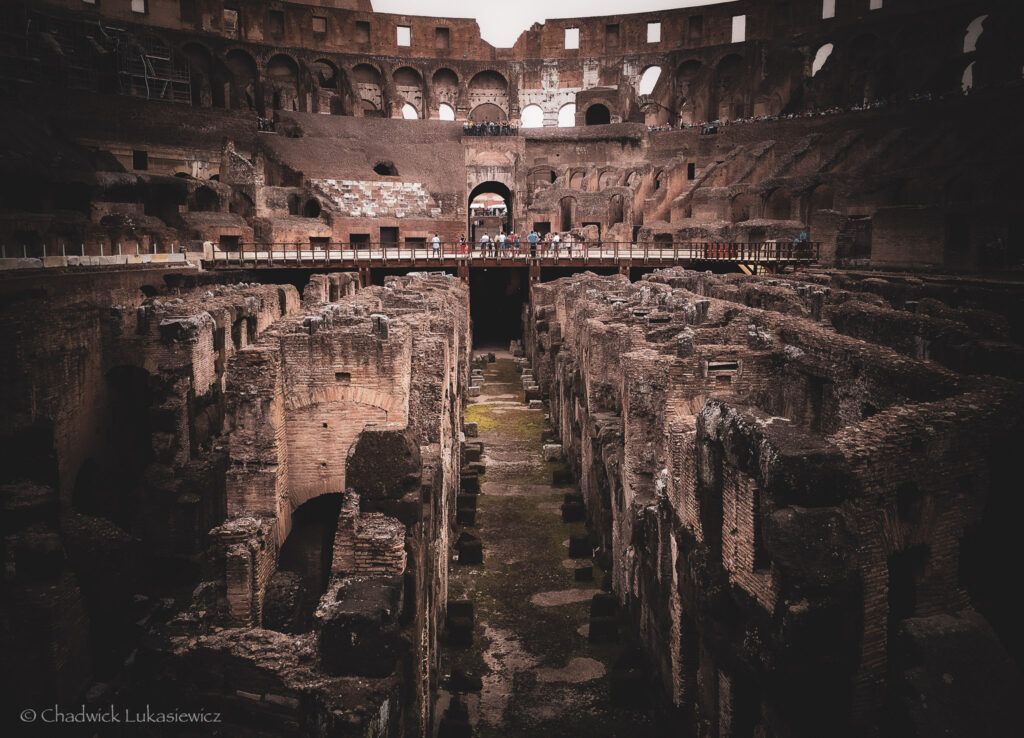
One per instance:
(385,254)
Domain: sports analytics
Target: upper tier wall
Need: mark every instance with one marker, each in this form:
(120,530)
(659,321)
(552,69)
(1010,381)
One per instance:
(347,30)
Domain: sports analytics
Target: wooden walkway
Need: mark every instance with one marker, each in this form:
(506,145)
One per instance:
(750,257)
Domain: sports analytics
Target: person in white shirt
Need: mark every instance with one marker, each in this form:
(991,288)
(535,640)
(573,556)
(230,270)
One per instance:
(501,243)
(435,243)
(555,242)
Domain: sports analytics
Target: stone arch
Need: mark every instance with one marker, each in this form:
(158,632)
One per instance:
(409,85)
(967,78)
(488,86)
(741,208)
(331,87)
(312,208)
(567,209)
(445,112)
(241,204)
(243,81)
(616,209)
(502,189)
(598,114)
(567,116)
(488,113)
(974,30)
(688,70)
(204,200)
(821,56)
(576,179)
(283,82)
(368,85)
(541,176)
(728,88)
(869,77)
(444,86)
(608,178)
(532,116)
(648,79)
(778,205)
(325,72)
(822,197)
(201,76)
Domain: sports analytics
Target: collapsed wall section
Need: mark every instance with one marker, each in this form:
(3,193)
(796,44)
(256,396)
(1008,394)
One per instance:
(344,450)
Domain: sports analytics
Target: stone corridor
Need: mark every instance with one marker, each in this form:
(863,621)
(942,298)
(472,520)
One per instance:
(530,669)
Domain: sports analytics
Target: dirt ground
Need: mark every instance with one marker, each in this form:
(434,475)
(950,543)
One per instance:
(541,676)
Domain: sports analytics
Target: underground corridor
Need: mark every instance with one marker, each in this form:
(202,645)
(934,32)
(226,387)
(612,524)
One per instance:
(532,642)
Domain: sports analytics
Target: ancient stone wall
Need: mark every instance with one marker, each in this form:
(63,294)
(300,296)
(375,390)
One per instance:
(358,397)
(782,504)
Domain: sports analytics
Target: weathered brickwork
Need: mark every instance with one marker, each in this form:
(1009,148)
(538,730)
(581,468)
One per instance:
(757,477)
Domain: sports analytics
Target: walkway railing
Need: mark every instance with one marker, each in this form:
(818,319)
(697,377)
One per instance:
(387,254)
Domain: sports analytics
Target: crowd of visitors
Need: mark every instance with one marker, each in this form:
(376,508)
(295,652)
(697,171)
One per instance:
(511,245)
(489,128)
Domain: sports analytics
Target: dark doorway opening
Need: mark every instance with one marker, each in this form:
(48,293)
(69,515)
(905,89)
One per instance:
(496,298)
(490,210)
(598,115)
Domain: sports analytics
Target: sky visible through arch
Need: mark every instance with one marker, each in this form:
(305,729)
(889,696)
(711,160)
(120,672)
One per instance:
(501,21)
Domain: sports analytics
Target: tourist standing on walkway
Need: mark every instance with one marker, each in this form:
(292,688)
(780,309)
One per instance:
(555,243)
(485,244)
(501,243)
(532,238)
(435,244)
(462,244)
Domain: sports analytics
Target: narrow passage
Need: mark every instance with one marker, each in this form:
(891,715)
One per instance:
(530,669)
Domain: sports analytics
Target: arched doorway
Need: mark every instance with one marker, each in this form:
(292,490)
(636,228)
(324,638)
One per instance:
(597,115)
(490,210)
(488,113)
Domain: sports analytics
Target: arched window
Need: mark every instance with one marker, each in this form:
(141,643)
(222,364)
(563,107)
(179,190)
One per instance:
(648,80)
(820,58)
(567,116)
(967,81)
(974,31)
(446,112)
(532,116)
(409,112)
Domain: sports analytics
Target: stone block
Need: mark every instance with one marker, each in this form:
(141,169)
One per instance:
(358,624)
(561,476)
(471,430)
(465,516)
(470,482)
(533,394)
(466,500)
(460,631)
(580,548)
(536,405)
(470,548)
(473,391)
(552,451)
(473,451)
(573,512)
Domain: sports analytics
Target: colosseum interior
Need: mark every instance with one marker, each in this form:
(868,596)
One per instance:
(298,439)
